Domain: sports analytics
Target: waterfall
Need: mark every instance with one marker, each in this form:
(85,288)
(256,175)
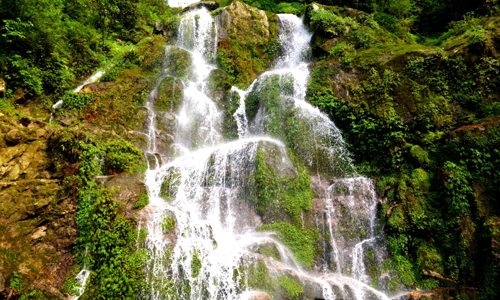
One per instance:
(201,223)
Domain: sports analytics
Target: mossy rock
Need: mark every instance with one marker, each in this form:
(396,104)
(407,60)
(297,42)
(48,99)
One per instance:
(128,189)
(169,95)
(178,63)
(268,249)
(151,50)
(246,37)
(218,86)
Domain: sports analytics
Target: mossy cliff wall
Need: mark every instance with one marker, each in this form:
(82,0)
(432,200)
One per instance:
(423,120)
(420,118)
(247,42)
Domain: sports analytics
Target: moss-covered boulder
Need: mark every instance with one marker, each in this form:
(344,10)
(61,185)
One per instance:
(246,39)
(178,63)
(127,189)
(169,95)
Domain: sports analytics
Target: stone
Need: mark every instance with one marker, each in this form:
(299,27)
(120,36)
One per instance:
(14,137)
(2,283)
(254,296)
(238,17)
(19,96)
(159,28)
(3,88)
(210,5)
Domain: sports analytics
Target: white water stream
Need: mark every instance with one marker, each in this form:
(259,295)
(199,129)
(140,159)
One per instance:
(202,228)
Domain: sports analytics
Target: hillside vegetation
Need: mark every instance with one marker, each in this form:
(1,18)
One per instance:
(413,85)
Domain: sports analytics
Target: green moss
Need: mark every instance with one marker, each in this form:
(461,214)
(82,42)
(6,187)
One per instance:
(168,189)
(268,250)
(167,224)
(142,202)
(293,289)
(178,63)
(170,95)
(259,278)
(122,156)
(420,180)
(196,264)
(250,47)
(300,240)
(420,154)
(276,191)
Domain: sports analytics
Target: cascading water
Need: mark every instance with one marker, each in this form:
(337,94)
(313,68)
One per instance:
(202,227)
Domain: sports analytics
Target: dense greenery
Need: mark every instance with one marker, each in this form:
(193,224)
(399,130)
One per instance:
(412,84)
(48,45)
(107,240)
(408,117)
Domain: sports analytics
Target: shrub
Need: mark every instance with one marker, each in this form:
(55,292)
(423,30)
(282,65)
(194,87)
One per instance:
(121,156)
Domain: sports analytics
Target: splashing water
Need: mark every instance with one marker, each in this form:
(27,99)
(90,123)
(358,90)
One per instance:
(201,221)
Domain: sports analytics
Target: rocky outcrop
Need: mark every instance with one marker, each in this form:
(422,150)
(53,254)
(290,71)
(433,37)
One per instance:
(243,20)
(442,294)
(246,36)
(37,225)
(210,5)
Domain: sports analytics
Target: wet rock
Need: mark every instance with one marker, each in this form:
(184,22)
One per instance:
(442,294)
(254,296)
(243,21)
(100,87)
(218,86)
(14,137)
(210,5)
(170,94)
(159,28)
(128,189)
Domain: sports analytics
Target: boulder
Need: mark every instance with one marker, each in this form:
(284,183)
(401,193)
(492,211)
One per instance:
(159,28)
(243,20)
(14,137)
(210,5)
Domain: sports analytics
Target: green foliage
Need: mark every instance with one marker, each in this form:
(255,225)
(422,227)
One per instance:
(376,137)
(293,289)
(457,188)
(142,202)
(300,240)
(122,156)
(167,224)
(296,8)
(273,189)
(16,282)
(110,240)
(196,264)
(50,44)
(107,240)
(328,21)
(259,278)
(345,53)
(74,101)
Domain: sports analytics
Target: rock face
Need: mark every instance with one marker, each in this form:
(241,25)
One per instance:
(245,36)
(37,225)
(210,5)
(240,18)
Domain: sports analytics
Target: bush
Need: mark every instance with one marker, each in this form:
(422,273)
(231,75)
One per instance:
(121,156)
(75,101)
